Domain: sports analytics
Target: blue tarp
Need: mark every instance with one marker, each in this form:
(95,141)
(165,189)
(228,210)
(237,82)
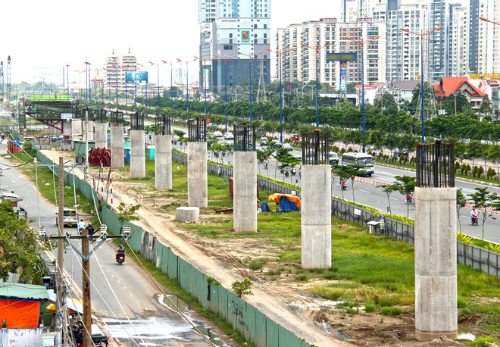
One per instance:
(287,205)
(264,207)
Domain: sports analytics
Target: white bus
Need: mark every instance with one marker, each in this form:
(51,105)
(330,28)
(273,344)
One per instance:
(363,159)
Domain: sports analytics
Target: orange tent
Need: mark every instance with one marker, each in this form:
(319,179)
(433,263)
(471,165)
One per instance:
(20,313)
(276,198)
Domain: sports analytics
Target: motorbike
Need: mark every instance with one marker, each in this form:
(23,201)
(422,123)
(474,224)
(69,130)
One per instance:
(120,258)
(293,171)
(216,154)
(474,220)
(410,199)
(287,172)
(223,154)
(344,185)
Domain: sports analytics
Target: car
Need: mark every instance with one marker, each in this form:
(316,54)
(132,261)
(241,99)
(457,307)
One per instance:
(333,158)
(217,134)
(228,136)
(70,217)
(399,152)
(287,146)
(264,141)
(295,137)
(275,144)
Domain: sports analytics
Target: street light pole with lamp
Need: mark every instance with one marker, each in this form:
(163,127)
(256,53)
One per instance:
(422,34)
(67,76)
(86,69)
(281,95)
(317,48)
(187,79)
(225,82)
(205,83)
(171,84)
(158,84)
(250,60)
(363,42)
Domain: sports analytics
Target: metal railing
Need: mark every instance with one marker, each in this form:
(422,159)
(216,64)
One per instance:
(315,147)
(435,165)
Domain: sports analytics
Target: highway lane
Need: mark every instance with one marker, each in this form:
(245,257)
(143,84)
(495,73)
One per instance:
(123,297)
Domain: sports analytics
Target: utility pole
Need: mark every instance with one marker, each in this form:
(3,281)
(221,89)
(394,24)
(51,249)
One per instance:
(87,145)
(87,318)
(382,104)
(61,312)
(455,103)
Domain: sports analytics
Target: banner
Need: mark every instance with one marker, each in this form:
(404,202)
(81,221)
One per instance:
(245,36)
(136,76)
(343,76)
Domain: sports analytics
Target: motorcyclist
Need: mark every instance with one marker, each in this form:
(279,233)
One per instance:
(473,215)
(81,226)
(119,252)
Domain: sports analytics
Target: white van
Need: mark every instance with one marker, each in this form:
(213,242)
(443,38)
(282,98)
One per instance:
(70,217)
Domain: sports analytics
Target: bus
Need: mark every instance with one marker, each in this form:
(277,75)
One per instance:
(363,159)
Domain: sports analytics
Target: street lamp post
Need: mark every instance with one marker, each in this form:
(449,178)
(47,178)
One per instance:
(422,34)
(86,85)
(250,60)
(225,83)
(187,80)
(317,48)
(171,84)
(205,82)
(281,95)
(67,76)
(363,42)
(157,85)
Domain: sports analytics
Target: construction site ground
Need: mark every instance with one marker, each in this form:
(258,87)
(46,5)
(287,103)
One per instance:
(318,321)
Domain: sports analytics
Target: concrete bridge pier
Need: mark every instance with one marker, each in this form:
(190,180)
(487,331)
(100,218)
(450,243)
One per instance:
(163,162)
(117,153)
(101,135)
(137,153)
(197,174)
(245,191)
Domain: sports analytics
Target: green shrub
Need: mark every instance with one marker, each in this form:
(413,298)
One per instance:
(302,278)
(391,311)
(369,306)
(242,288)
(480,171)
(255,265)
(463,167)
(490,173)
(475,170)
(457,166)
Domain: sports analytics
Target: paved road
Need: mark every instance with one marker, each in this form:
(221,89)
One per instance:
(122,295)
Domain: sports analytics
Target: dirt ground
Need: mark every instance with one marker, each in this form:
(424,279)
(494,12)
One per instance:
(314,319)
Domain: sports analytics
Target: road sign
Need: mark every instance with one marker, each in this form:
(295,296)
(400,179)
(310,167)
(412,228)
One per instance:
(66,115)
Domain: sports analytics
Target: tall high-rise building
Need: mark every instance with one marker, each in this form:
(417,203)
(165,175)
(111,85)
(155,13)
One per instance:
(302,65)
(115,68)
(488,59)
(228,27)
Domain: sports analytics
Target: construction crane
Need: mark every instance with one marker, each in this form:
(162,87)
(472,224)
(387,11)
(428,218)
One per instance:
(1,85)
(8,85)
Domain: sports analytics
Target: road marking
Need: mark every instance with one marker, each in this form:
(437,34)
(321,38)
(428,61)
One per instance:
(112,275)
(131,294)
(364,191)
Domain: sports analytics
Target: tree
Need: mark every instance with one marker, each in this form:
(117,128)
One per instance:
(461,201)
(405,185)
(179,133)
(494,156)
(286,159)
(18,246)
(388,189)
(127,213)
(485,105)
(241,288)
(348,172)
(486,202)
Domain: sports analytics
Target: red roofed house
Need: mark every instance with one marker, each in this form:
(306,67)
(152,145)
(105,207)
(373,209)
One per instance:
(449,85)
(371,91)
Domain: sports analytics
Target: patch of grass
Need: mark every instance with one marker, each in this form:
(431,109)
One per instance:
(255,265)
(370,306)
(482,341)
(302,278)
(391,311)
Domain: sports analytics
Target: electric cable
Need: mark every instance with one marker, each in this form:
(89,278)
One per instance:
(165,294)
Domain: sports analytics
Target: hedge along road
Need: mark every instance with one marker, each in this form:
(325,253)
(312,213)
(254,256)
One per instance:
(136,295)
(368,194)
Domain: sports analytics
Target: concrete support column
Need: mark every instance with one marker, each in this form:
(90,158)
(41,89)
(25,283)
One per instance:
(316,216)
(435,263)
(67,130)
(90,130)
(245,191)
(137,153)
(163,162)
(117,144)
(101,135)
(76,127)
(197,174)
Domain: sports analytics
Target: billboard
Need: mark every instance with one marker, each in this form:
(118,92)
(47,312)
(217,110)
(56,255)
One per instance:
(343,76)
(136,76)
(245,36)
(341,56)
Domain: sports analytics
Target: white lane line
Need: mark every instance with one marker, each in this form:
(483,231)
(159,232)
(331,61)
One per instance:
(393,198)
(364,191)
(118,281)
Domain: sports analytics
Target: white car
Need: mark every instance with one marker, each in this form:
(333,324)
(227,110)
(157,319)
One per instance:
(229,136)
(287,146)
(217,134)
